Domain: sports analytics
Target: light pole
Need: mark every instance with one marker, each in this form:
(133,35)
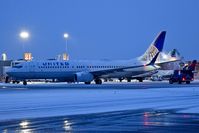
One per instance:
(24,35)
(66,55)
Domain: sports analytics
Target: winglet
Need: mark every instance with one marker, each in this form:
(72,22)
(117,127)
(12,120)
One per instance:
(154,59)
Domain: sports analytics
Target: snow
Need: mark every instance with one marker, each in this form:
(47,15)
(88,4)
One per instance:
(23,102)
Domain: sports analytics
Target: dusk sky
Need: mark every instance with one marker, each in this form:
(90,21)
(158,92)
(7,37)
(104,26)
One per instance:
(98,29)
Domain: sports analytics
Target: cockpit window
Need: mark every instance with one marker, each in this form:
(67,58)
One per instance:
(17,66)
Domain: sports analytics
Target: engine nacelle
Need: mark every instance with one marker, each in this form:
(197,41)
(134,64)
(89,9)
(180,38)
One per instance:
(83,77)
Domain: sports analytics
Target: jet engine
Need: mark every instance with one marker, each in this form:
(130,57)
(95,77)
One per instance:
(83,77)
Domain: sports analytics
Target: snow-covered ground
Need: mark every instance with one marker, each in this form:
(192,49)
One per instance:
(24,102)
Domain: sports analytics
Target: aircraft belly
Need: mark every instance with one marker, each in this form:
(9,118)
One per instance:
(43,75)
(124,74)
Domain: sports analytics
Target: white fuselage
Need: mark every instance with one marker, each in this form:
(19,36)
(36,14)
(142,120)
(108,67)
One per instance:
(65,70)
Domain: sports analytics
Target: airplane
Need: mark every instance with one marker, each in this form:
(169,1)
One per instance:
(87,71)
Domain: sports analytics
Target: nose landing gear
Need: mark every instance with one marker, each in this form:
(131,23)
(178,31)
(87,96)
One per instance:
(7,79)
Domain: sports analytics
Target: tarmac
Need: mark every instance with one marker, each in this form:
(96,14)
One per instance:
(45,107)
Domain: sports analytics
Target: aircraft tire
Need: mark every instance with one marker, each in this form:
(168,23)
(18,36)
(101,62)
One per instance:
(140,80)
(24,82)
(7,79)
(120,79)
(128,80)
(98,81)
(87,83)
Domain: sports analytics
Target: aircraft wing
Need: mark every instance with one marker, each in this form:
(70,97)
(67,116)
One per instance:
(165,62)
(109,71)
(123,69)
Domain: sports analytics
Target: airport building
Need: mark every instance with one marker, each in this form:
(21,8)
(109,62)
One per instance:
(3,65)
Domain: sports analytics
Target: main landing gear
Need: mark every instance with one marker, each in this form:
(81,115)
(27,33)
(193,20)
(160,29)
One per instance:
(140,79)
(15,82)
(98,81)
(128,80)
(24,82)
(87,83)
